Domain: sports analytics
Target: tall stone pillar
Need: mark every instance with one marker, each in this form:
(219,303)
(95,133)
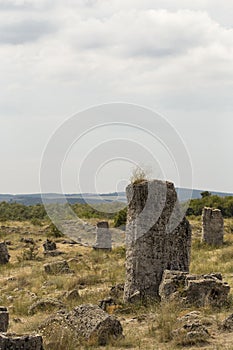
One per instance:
(158,237)
(4,255)
(103,236)
(212,226)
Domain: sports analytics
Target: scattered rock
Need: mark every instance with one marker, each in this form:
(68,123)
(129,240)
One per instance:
(17,342)
(27,240)
(44,305)
(70,242)
(17,320)
(50,248)
(88,322)
(73,295)
(158,237)
(191,330)
(227,324)
(109,305)
(53,253)
(4,255)
(212,226)
(200,290)
(4,319)
(117,292)
(57,267)
(49,245)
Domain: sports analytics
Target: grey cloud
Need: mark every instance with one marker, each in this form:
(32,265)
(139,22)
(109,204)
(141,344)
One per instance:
(155,33)
(6,5)
(25,31)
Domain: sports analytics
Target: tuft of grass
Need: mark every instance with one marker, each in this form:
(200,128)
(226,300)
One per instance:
(166,318)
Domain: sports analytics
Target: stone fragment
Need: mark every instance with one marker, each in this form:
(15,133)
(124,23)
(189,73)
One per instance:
(212,226)
(20,342)
(44,305)
(191,330)
(109,305)
(57,267)
(227,324)
(199,290)
(49,245)
(158,237)
(117,292)
(50,248)
(27,240)
(94,324)
(89,323)
(72,295)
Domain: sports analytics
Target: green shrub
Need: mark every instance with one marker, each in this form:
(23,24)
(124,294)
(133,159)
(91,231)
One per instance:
(120,218)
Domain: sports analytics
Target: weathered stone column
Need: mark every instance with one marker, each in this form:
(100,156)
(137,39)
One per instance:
(26,342)
(158,237)
(103,236)
(4,319)
(212,226)
(4,255)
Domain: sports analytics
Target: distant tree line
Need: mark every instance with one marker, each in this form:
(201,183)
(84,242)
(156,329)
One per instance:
(106,211)
(225,204)
(36,213)
(19,212)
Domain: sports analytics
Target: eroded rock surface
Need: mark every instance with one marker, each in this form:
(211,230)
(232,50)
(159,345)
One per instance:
(227,324)
(90,323)
(4,255)
(18,342)
(45,305)
(57,267)
(191,330)
(103,236)
(158,237)
(4,319)
(212,226)
(199,290)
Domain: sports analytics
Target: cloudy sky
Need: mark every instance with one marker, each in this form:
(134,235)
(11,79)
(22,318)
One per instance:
(60,57)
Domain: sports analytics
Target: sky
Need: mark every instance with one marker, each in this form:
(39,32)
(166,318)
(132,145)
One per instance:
(59,58)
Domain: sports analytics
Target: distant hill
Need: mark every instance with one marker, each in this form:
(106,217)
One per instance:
(35,198)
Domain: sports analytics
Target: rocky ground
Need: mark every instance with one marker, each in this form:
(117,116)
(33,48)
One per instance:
(33,296)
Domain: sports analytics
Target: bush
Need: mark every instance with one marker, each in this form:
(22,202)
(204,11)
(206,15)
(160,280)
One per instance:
(120,218)
(225,204)
(54,231)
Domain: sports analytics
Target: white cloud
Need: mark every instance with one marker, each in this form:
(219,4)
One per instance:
(58,57)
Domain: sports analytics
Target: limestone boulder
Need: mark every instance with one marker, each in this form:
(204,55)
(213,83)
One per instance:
(57,267)
(49,245)
(18,342)
(199,290)
(89,323)
(227,324)
(191,330)
(45,305)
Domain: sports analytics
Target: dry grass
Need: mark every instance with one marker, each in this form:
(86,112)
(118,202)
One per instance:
(22,282)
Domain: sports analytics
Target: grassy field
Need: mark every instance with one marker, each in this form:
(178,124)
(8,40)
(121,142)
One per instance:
(23,281)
